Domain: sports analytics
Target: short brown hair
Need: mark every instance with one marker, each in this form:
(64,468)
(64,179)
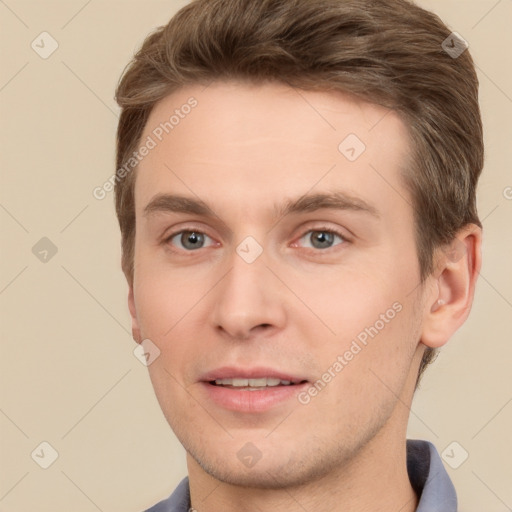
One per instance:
(388,52)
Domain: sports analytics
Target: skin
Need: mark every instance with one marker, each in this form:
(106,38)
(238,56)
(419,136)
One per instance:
(244,150)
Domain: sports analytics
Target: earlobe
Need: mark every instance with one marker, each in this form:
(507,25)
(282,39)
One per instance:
(449,304)
(133,313)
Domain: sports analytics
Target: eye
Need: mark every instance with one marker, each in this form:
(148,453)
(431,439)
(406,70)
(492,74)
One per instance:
(190,240)
(321,239)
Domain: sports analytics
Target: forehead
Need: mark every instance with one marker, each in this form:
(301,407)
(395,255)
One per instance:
(245,143)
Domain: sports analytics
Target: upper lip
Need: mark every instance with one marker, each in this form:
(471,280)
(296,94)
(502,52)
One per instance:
(232,372)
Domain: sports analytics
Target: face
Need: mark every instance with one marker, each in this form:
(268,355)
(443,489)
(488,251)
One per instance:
(276,272)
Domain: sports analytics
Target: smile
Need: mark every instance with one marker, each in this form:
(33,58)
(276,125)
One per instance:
(252,384)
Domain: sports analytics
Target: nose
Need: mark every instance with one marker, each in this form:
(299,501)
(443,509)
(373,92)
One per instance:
(249,300)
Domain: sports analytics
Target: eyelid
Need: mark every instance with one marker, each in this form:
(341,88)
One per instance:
(325,250)
(343,233)
(169,235)
(171,232)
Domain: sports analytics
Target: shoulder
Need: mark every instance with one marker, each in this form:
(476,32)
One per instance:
(178,501)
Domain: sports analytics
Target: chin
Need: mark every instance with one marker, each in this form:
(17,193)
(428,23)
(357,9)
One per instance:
(286,470)
(265,476)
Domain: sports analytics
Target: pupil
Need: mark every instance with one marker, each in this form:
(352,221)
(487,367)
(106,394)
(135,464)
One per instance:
(192,240)
(322,239)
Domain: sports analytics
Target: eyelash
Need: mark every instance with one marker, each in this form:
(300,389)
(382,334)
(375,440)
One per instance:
(320,229)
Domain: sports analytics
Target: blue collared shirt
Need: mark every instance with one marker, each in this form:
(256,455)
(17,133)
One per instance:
(426,472)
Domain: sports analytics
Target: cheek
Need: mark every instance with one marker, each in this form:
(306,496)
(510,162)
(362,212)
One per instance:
(163,295)
(365,374)
(358,300)
(378,357)
(156,306)
(170,309)
(365,291)
(376,326)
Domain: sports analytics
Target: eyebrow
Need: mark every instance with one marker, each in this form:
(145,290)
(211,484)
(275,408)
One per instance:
(337,200)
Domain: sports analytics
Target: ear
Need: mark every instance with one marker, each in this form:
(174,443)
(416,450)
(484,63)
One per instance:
(449,303)
(135,324)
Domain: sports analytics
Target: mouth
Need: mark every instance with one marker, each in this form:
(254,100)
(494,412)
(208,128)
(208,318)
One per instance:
(259,384)
(251,390)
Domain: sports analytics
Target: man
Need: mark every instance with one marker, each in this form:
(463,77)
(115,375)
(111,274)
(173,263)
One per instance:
(296,194)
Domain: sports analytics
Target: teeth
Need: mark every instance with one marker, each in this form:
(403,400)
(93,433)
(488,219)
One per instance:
(253,383)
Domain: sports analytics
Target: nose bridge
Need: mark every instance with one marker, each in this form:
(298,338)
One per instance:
(248,296)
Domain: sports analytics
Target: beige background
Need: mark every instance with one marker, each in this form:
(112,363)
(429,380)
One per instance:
(68,373)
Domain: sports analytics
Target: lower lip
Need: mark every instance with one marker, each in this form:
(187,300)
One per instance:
(252,401)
